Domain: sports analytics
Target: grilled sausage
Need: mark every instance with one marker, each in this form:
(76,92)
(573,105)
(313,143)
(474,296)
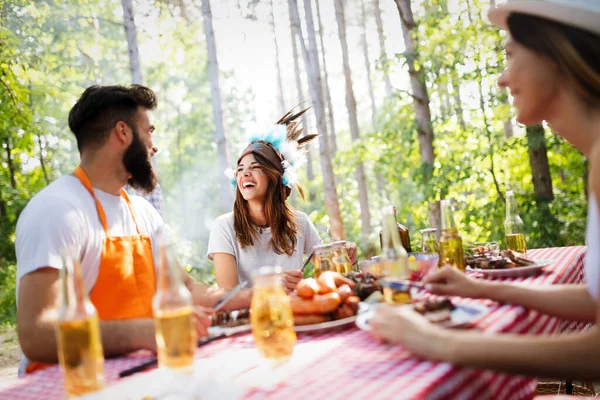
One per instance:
(310,319)
(307,288)
(319,304)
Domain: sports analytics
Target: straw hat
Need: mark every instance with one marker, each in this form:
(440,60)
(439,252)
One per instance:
(583,14)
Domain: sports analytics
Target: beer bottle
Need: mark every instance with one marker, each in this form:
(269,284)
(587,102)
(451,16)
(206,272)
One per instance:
(176,337)
(514,229)
(78,333)
(402,231)
(451,246)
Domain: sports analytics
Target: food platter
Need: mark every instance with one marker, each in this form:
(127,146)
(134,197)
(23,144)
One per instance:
(515,271)
(325,326)
(229,331)
(461,317)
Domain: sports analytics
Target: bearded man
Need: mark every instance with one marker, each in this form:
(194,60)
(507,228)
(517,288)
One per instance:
(114,236)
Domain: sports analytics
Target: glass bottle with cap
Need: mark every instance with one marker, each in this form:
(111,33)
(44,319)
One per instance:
(451,247)
(341,260)
(271,316)
(323,259)
(78,333)
(514,229)
(176,337)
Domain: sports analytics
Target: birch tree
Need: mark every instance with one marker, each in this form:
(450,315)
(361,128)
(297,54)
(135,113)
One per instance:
(363,197)
(132,44)
(313,72)
(280,97)
(420,102)
(220,135)
(327,92)
(382,51)
(365,48)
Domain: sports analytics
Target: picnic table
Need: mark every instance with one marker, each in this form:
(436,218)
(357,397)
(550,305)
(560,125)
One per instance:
(342,364)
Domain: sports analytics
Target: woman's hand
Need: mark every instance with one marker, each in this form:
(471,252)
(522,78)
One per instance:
(202,318)
(291,278)
(402,325)
(451,282)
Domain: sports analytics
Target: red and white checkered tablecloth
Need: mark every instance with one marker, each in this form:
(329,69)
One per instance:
(351,364)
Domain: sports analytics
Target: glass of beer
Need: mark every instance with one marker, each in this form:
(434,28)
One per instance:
(323,260)
(341,260)
(176,337)
(271,317)
(78,334)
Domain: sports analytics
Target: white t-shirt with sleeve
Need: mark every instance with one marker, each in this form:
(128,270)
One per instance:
(251,258)
(64,215)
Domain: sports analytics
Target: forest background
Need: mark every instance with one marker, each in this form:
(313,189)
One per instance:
(403,93)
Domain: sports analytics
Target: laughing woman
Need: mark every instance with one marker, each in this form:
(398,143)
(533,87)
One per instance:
(263,229)
(553,74)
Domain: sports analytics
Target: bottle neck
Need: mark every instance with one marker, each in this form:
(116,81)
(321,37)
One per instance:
(391,237)
(511,206)
(168,269)
(447,217)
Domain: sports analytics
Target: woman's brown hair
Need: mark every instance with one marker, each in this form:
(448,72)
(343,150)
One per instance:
(280,216)
(574,50)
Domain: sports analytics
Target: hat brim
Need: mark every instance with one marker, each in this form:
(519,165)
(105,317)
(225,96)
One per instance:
(568,15)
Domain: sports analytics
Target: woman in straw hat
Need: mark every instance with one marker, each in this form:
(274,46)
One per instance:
(553,74)
(263,229)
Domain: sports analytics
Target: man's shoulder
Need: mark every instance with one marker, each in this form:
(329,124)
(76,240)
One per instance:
(65,191)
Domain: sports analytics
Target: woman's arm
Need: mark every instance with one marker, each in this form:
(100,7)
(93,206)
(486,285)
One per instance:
(226,271)
(570,356)
(564,301)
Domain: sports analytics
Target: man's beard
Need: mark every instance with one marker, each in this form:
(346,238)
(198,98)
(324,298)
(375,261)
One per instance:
(137,162)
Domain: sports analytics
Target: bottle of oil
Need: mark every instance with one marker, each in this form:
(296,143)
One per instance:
(402,231)
(451,246)
(176,337)
(514,229)
(78,333)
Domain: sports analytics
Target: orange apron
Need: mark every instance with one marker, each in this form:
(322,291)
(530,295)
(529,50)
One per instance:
(126,279)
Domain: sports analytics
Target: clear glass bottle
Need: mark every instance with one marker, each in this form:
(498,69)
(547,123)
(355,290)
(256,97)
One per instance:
(271,317)
(78,336)
(429,242)
(402,231)
(451,246)
(323,259)
(514,229)
(341,260)
(176,337)
(394,257)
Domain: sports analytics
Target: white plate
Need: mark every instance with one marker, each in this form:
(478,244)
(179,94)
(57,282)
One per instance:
(514,272)
(461,316)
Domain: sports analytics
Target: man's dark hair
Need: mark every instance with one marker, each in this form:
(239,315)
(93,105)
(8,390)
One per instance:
(100,108)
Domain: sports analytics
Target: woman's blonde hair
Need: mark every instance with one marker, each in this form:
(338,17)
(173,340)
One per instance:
(574,50)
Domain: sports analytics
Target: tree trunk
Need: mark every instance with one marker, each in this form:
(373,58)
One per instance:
(455,82)
(363,198)
(311,61)
(332,136)
(42,161)
(365,46)
(538,159)
(420,103)
(310,173)
(220,135)
(382,51)
(132,45)
(11,164)
(280,98)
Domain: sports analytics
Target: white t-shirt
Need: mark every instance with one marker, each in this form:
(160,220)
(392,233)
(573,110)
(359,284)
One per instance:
(251,258)
(64,215)
(592,255)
